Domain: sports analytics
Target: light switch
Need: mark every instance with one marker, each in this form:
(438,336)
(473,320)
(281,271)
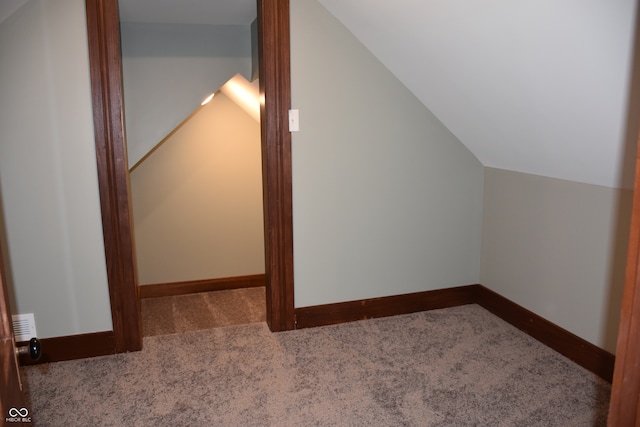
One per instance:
(294,121)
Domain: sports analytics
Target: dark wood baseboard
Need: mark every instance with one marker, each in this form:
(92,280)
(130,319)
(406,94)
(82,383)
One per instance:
(582,352)
(73,347)
(207,285)
(585,354)
(331,314)
(82,346)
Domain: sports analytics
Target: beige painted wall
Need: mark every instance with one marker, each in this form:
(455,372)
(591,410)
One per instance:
(197,200)
(385,199)
(48,172)
(558,248)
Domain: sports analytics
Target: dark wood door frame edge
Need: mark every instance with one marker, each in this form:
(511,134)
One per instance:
(113,176)
(624,408)
(275,94)
(11,391)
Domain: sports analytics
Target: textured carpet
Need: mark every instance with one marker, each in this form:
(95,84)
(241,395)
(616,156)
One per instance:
(206,310)
(460,366)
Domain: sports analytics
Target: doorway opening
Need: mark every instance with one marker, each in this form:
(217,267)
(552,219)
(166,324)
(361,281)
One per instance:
(192,119)
(113,175)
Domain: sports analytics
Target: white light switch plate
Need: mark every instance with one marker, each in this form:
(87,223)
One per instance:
(294,121)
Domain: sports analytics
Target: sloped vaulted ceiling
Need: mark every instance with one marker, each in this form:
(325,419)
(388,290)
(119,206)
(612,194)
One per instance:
(539,87)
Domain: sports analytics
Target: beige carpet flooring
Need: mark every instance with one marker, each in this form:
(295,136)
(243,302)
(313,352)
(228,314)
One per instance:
(206,310)
(459,366)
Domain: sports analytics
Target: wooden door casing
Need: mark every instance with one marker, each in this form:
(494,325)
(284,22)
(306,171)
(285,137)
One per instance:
(13,403)
(113,175)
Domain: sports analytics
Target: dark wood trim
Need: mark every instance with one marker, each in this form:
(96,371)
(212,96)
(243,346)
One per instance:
(331,314)
(585,354)
(624,408)
(74,347)
(11,393)
(582,352)
(275,93)
(113,177)
(195,286)
(113,174)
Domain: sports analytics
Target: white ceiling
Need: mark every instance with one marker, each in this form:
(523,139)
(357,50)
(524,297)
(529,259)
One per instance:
(212,12)
(538,87)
